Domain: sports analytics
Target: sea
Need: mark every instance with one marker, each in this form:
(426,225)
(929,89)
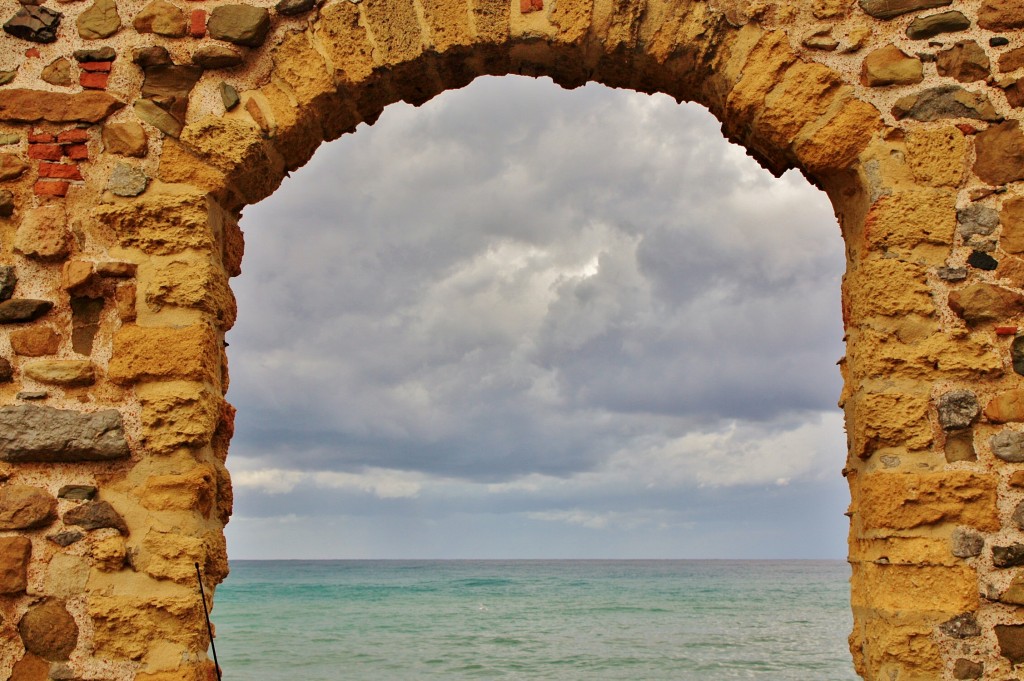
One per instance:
(562,620)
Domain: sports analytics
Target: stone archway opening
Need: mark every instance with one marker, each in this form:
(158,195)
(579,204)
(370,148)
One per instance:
(120,233)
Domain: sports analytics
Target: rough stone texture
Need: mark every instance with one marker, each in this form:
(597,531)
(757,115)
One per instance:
(1005,407)
(888,9)
(162,18)
(58,72)
(30,668)
(36,24)
(925,27)
(78,492)
(96,515)
(976,220)
(239,24)
(962,626)
(23,507)
(125,139)
(35,341)
(966,61)
(980,303)
(1000,152)
(164,353)
(968,669)
(23,105)
(966,543)
(39,433)
(999,15)
(960,446)
(891,66)
(100,20)
(946,101)
(17,310)
(150,112)
(216,57)
(12,167)
(126,180)
(49,631)
(958,409)
(15,553)
(43,234)
(901,501)
(68,372)
(1008,556)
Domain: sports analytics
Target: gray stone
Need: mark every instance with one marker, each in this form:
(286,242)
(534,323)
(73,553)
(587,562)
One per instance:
(95,515)
(229,95)
(8,280)
(292,7)
(18,310)
(976,219)
(33,395)
(952,273)
(49,631)
(1011,642)
(239,24)
(216,57)
(923,28)
(149,112)
(957,409)
(45,434)
(966,543)
(962,626)
(35,24)
(99,20)
(1017,354)
(65,538)
(77,492)
(887,9)
(26,508)
(95,54)
(967,669)
(1008,445)
(947,101)
(127,180)
(1008,556)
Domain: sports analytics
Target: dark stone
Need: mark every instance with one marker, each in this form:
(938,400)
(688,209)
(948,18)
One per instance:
(952,273)
(49,631)
(85,323)
(976,219)
(95,54)
(961,626)
(25,508)
(148,57)
(17,310)
(982,261)
(65,538)
(292,7)
(957,409)
(35,24)
(947,101)
(216,57)
(1008,445)
(1018,516)
(8,280)
(887,9)
(239,24)
(77,492)
(923,28)
(95,515)
(6,371)
(998,41)
(34,433)
(1017,354)
(965,543)
(33,395)
(1008,556)
(6,203)
(966,61)
(229,95)
(1011,642)
(967,669)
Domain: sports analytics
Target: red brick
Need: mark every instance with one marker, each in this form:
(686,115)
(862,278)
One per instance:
(93,81)
(966,128)
(197,23)
(73,136)
(1006,330)
(31,52)
(98,66)
(76,152)
(40,138)
(46,152)
(51,188)
(60,171)
(527,6)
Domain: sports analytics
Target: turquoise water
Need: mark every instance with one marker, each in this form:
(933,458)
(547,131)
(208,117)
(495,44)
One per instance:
(558,620)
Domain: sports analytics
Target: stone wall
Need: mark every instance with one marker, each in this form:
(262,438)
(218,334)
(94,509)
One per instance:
(133,132)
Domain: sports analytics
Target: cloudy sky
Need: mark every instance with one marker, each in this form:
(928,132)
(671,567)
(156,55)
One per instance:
(523,322)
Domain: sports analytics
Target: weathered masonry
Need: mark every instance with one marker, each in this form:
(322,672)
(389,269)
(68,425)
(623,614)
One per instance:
(133,132)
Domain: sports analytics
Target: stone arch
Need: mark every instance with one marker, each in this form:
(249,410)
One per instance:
(129,152)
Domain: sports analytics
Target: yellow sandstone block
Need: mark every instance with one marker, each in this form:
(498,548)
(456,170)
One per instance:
(903,501)
(937,156)
(178,414)
(918,223)
(891,419)
(160,222)
(835,144)
(888,287)
(157,353)
(195,490)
